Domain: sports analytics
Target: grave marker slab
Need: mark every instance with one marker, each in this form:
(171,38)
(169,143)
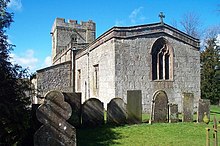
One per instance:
(92,112)
(134,106)
(74,99)
(116,111)
(173,111)
(188,102)
(204,106)
(53,113)
(160,107)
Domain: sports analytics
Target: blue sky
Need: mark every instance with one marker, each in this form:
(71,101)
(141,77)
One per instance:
(33,20)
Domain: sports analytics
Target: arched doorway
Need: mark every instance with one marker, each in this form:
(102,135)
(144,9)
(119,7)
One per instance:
(160,107)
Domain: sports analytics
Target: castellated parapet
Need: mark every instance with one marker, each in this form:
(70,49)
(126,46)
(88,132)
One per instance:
(68,35)
(73,24)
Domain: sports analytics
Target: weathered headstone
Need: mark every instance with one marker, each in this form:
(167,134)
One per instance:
(188,102)
(53,113)
(134,106)
(74,99)
(173,111)
(92,112)
(204,106)
(116,111)
(160,107)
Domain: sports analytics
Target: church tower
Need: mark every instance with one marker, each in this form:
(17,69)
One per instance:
(69,35)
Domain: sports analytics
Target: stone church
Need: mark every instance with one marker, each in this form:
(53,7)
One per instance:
(152,58)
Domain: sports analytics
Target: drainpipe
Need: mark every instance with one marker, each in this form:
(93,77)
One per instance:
(88,75)
(73,50)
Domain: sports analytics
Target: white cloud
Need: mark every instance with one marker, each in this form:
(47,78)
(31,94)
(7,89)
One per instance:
(119,23)
(136,16)
(26,60)
(47,61)
(15,5)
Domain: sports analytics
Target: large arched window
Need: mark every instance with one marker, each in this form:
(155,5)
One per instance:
(162,58)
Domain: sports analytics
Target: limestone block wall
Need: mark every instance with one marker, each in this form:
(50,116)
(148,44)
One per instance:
(186,71)
(66,57)
(63,32)
(133,70)
(102,57)
(57,77)
(81,69)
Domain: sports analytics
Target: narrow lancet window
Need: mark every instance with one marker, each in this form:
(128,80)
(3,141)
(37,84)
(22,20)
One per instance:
(96,76)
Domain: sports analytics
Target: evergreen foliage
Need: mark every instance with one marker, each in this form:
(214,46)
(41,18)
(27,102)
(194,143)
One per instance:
(14,86)
(210,62)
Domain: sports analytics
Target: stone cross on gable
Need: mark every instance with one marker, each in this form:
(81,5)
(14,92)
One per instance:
(161,15)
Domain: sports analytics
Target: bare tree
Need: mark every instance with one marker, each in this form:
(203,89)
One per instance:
(191,23)
(212,32)
(174,23)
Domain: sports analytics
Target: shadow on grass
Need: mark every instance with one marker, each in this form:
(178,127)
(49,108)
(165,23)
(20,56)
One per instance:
(214,112)
(99,136)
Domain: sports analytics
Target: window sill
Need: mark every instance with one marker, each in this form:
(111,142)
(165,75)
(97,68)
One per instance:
(162,80)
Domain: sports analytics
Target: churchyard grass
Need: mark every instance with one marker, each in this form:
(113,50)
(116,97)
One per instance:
(158,134)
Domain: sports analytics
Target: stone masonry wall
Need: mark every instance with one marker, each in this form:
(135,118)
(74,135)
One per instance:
(82,66)
(103,56)
(63,32)
(133,70)
(123,56)
(57,77)
(186,71)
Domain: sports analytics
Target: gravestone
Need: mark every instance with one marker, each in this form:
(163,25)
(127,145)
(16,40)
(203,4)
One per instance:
(188,102)
(204,106)
(116,111)
(53,113)
(92,112)
(160,107)
(134,106)
(173,111)
(74,99)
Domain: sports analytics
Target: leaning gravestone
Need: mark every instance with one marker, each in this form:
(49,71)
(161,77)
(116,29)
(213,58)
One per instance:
(160,107)
(204,106)
(74,99)
(116,111)
(188,102)
(173,111)
(92,112)
(134,106)
(53,113)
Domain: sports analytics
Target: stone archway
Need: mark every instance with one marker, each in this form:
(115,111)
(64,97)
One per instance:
(160,107)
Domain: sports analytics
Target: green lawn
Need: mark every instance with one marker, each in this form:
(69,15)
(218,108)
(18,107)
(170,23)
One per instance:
(158,134)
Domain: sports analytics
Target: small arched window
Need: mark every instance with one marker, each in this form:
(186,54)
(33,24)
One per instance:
(162,58)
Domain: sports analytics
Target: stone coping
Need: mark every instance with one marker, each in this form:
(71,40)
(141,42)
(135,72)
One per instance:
(141,31)
(53,66)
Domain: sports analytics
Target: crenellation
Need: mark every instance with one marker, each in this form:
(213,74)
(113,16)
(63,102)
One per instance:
(61,22)
(68,35)
(72,21)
